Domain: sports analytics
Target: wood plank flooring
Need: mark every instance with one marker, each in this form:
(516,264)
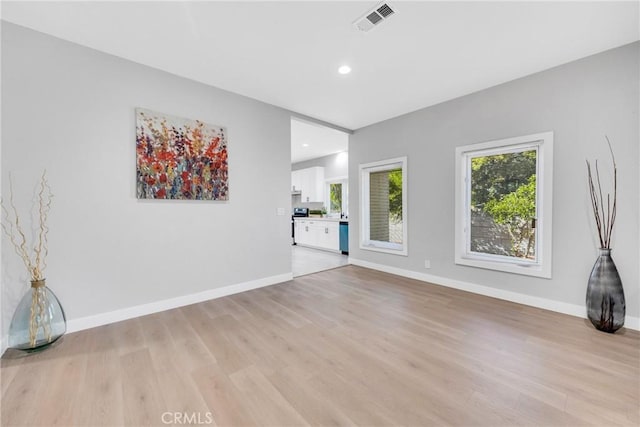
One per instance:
(348,346)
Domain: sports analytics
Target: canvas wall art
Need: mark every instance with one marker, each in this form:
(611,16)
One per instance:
(180,158)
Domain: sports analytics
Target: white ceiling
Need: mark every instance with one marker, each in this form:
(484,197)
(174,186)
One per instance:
(311,140)
(287,53)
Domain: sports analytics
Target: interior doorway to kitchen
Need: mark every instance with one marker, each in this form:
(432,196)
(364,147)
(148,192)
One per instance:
(319,197)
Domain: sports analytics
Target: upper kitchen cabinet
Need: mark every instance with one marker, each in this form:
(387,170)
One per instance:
(310,183)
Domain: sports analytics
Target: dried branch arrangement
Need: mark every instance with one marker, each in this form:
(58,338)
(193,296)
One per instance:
(605,215)
(34,257)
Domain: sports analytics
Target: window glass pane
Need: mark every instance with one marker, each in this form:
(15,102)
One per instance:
(335,195)
(503,204)
(385,206)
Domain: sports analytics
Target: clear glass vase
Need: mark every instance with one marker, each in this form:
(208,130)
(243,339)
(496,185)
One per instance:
(38,321)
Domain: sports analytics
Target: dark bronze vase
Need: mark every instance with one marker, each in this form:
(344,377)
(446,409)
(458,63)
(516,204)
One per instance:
(605,295)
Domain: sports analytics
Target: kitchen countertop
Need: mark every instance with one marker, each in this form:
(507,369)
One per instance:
(310,218)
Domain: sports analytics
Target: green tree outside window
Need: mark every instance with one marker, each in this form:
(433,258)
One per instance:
(503,187)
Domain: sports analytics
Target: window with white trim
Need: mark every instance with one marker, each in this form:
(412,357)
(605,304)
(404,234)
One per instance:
(383,206)
(503,205)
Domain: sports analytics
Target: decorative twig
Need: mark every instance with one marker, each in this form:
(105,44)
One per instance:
(604,219)
(615,189)
(44,205)
(12,228)
(594,204)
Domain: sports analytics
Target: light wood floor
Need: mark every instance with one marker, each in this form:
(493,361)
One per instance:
(349,346)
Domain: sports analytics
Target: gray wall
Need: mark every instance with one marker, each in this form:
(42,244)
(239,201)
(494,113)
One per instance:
(580,102)
(70,109)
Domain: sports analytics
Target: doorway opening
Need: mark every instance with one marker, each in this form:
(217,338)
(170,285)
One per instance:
(319,197)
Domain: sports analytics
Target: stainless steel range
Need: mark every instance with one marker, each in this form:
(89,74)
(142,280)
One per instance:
(297,213)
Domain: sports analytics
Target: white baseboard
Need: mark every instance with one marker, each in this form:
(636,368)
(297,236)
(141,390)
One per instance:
(544,303)
(88,322)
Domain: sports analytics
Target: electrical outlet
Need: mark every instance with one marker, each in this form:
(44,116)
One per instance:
(427,263)
(280,212)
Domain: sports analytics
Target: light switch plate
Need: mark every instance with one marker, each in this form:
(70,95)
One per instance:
(280,212)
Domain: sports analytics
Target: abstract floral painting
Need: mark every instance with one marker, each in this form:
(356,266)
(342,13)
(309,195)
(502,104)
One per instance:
(180,158)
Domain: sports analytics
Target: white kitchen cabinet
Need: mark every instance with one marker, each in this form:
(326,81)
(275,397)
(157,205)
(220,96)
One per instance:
(296,180)
(317,233)
(329,235)
(302,234)
(310,182)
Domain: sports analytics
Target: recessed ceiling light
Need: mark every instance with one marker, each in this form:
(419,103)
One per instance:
(305,145)
(345,69)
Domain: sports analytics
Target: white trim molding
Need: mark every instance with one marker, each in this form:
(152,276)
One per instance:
(82,323)
(538,302)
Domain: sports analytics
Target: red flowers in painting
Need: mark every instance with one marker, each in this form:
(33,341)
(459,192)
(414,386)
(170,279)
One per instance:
(180,158)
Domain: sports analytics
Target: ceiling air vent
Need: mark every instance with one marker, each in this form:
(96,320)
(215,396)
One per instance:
(374,17)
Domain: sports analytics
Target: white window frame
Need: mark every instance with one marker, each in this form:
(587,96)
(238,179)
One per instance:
(345,193)
(541,267)
(365,241)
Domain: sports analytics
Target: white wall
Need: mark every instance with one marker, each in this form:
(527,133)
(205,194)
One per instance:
(70,109)
(335,165)
(580,102)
